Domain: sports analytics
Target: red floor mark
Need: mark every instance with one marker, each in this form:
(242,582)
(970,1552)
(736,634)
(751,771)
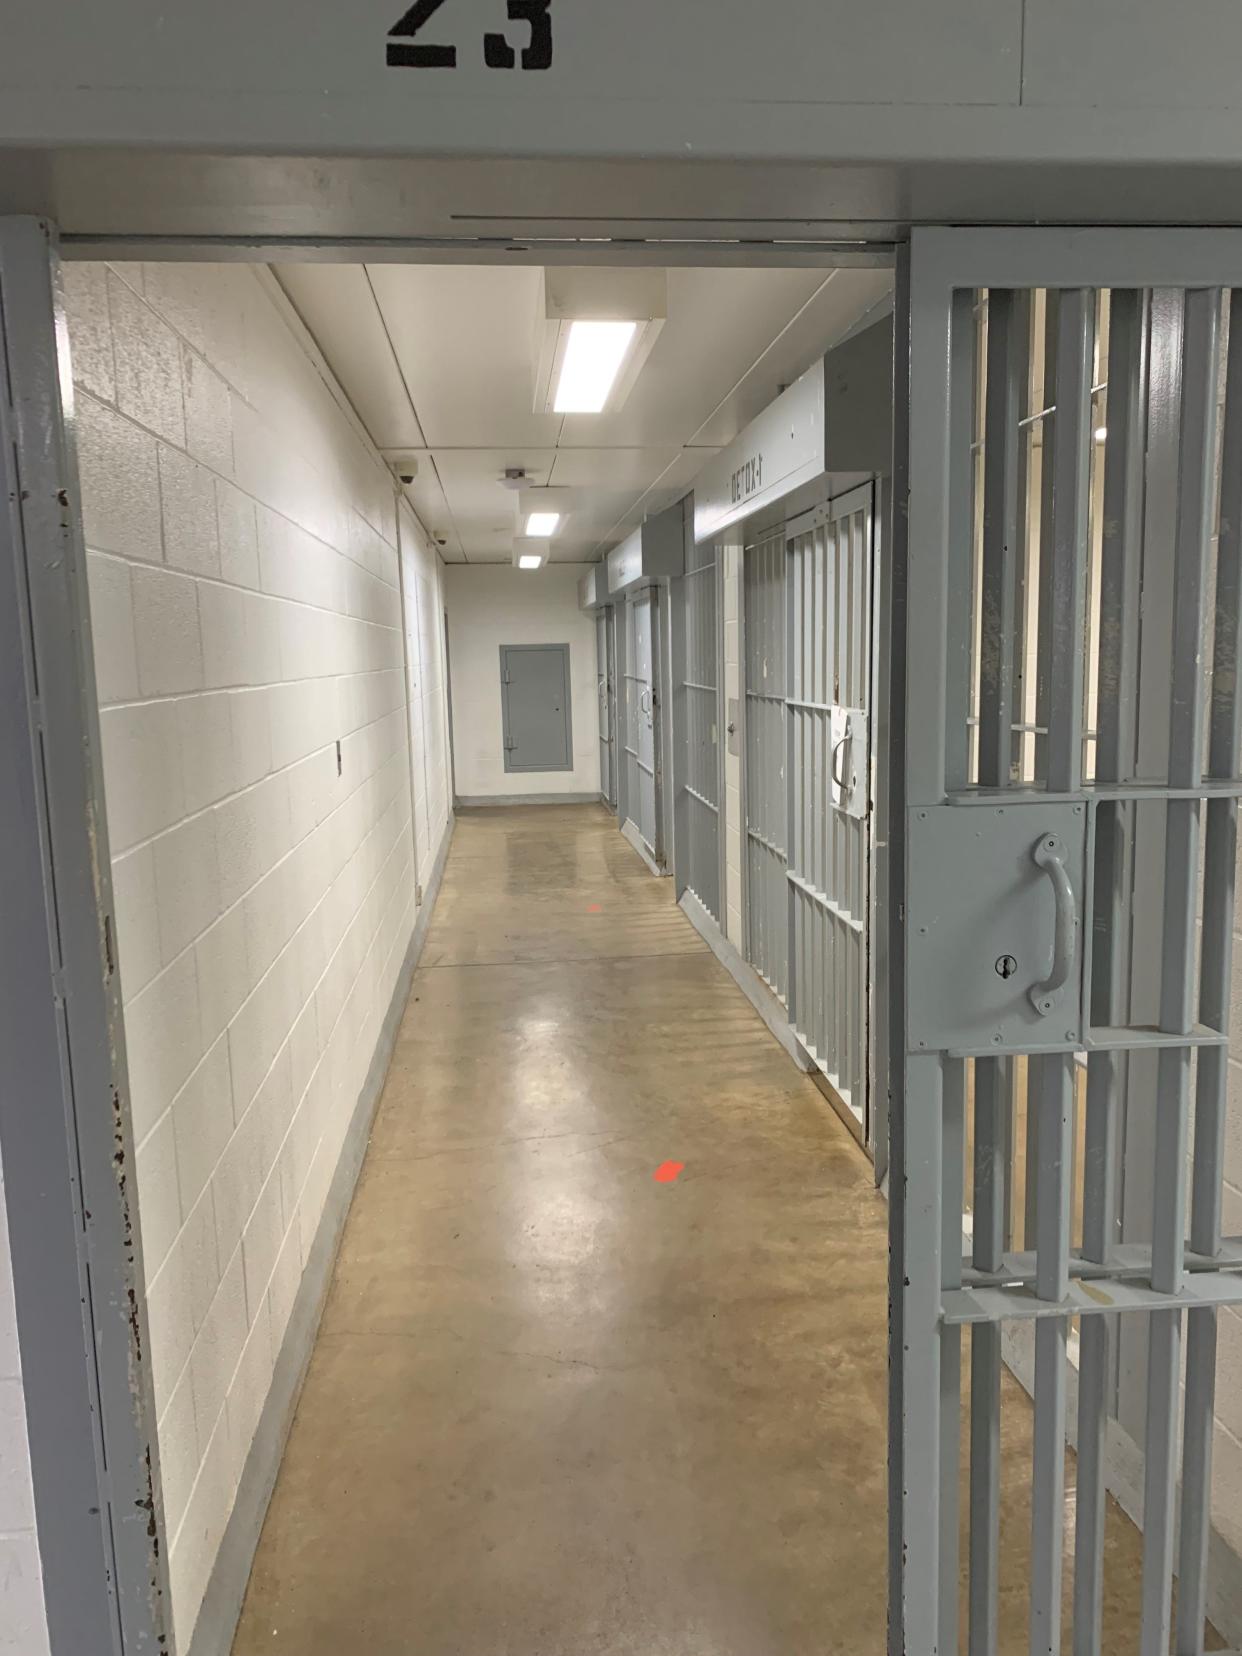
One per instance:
(595,908)
(667,1172)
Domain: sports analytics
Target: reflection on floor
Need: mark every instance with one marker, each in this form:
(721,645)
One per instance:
(559,1407)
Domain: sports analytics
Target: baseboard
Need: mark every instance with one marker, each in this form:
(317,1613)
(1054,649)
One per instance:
(473,802)
(226,1590)
(637,843)
(747,979)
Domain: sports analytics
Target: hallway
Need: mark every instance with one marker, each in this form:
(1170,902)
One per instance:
(557,1407)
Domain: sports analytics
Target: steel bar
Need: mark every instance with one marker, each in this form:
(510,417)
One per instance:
(1118,635)
(1211,1092)
(1197,457)
(1087,1298)
(953,1153)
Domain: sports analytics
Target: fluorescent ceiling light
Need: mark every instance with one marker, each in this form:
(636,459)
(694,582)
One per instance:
(594,329)
(593,356)
(542,524)
(530,560)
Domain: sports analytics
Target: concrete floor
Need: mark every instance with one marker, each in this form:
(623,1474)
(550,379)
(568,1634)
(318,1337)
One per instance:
(557,1408)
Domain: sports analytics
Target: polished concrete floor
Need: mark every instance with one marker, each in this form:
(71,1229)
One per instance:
(557,1407)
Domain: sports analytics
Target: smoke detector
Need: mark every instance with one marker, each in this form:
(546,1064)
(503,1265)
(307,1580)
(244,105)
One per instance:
(515,477)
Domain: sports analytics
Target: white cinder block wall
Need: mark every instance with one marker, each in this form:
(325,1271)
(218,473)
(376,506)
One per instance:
(248,627)
(493,604)
(23,1621)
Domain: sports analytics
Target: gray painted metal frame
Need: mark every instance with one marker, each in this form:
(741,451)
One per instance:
(64,1113)
(1159,458)
(698,773)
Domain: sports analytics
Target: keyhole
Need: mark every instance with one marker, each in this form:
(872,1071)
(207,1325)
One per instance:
(1006,966)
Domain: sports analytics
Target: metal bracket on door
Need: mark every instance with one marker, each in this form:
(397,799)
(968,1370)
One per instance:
(994,966)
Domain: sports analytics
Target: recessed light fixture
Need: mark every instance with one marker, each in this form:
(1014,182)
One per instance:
(590,363)
(595,329)
(529,554)
(542,524)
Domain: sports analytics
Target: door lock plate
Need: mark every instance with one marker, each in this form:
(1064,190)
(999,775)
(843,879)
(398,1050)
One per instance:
(990,933)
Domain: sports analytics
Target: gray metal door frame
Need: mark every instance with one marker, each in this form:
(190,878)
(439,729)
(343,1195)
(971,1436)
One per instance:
(1166,763)
(561,650)
(644,717)
(65,1132)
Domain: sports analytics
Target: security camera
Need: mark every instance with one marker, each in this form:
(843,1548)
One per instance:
(441,540)
(406,476)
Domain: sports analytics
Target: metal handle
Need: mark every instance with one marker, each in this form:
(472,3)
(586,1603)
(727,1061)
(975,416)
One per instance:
(644,701)
(840,781)
(1049,854)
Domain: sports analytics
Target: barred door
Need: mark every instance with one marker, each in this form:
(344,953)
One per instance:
(1068,586)
(766,756)
(829,664)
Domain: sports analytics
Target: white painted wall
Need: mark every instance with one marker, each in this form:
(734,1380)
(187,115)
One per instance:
(494,604)
(247,613)
(23,1620)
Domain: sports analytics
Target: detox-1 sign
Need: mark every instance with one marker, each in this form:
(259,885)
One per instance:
(410,45)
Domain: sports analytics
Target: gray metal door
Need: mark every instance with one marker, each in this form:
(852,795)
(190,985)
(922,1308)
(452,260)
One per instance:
(828,573)
(767,891)
(603,686)
(1065,811)
(642,739)
(534,680)
(700,779)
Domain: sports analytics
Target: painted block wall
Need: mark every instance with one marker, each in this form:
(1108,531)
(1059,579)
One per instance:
(256,725)
(491,605)
(23,1621)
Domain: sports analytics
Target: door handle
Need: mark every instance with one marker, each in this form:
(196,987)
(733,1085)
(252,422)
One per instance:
(1048,853)
(840,781)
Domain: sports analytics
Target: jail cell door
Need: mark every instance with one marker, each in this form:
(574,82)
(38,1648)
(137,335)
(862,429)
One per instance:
(643,735)
(700,736)
(603,684)
(764,625)
(828,571)
(1069,574)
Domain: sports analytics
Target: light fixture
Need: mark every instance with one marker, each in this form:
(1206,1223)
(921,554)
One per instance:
(542,524)
(529,554)
(590,363)
(594,330)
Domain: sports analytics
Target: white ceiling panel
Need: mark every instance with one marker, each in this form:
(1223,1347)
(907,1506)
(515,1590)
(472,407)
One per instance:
(619,468)
(835,309)
(463,335)
(337,305)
